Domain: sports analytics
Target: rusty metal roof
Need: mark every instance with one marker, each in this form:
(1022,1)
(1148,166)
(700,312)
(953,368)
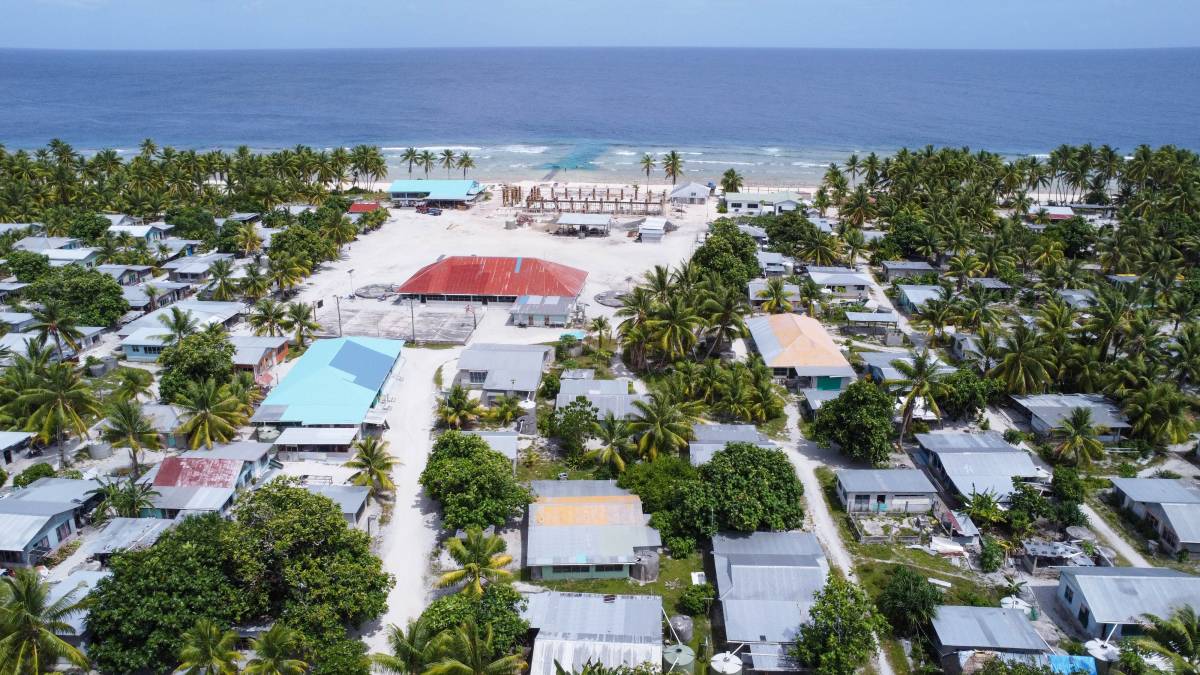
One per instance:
(495,276)
(198,472)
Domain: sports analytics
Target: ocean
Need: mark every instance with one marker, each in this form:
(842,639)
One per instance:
(778,116)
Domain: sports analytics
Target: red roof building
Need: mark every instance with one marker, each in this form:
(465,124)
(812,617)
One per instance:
(364,207)
(198,472)
(483,279)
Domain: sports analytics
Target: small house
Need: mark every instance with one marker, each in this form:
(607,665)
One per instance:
(150,295)
(841,282)
(708,439)
(17,322)
(588,529)
(124,534)
(12,443)
(903,269)
(881,366)
(302,441)
(194,269)
(1111,602)
(192,485)
(77,584)
(1078,298)
(772,264)
(84,257)
(127,275)
(912,298)
(150,232)
(542,310)
(690,193)
(351,500)
(800,352)
(1047,411)
(757,287)
(37,519)
(258,354)
(960,629)
(976,463)
(41,244)
(607,396)
(885,490)
(761,204)
(503,370)
(1168,505)
(573,630)
(652,230)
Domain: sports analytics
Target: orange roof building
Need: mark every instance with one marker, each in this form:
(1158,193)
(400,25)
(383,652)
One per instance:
(800,351)
(492,279)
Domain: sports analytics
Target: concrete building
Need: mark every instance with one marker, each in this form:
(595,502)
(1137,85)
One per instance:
(42,244)
(204,312)
(1110,602)
(571,630)
(194,269)
(588,529)
(607,396)
(799,351)
(762,203)
(757,287)
(690,193)
(881,366)
(258,354)
(772,264)
(503,370)
(350,499)
(37,519)
(841,282)
(885,490)
(84,257)
(542,310)
(1169,505)
(958,630)
(483,279)
(911,298)
(765,583)
(127,275)
(150,232)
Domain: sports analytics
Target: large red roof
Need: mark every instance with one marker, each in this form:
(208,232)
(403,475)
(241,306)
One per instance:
(364,207)
(481,275)
(198,472)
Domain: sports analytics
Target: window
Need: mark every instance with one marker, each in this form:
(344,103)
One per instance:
(736,205)
(1084,616)
(478,377)
(1068,594)
(63,531)
(609,568)
(568,569)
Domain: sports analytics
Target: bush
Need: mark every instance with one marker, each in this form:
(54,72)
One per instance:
(991,557)
(695,598)
(39,470)
(1013,436)
(3,477)
(473,483)
(196,358)
(859,421)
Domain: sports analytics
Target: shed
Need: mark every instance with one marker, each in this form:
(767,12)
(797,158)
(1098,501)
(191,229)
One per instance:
(652,230)
(351,500)
(542,310)
(960,628)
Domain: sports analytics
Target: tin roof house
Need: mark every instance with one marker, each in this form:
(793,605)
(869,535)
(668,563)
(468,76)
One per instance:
(503,370)
(573,629)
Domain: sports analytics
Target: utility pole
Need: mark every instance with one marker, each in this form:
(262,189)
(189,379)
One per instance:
(338,302)
(412,315)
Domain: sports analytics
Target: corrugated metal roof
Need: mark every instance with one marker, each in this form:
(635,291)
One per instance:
(197,472)
(81,583)
(191,499)
(317,436)
(1157,490)
(495,276)
(908,265)
(710,439)
(243,451)
(542,305)
(918,295)
(606,395)
(349,498)
(126,534)
(503,442)
(981,472)
(758,286)
(586,523)
(798,342)
(1052,409)
(10,439)
(335,382)
(766,582)
(508,367)
(1124,594)
(962,441)
(437,190)
(18,526)
(1184,519)
(872,317)
(904,481)
(57,490)
(838,276)
(585,219)
(203,311)
(996,628)
(574,628)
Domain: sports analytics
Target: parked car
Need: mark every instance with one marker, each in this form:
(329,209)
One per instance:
(435,212)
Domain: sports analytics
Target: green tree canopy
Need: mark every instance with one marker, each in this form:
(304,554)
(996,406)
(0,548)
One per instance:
(473,483)
(842,631)
(728,253)
(87,296)
(198,357)
(859,421)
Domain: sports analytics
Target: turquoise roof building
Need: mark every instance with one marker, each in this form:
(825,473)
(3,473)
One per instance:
(334,384)
(408,192)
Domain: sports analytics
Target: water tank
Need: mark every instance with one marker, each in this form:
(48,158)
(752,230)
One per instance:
(679,658)
(267,434)
(726,663)
(645,567)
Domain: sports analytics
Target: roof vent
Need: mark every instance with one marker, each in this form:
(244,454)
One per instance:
(610,599)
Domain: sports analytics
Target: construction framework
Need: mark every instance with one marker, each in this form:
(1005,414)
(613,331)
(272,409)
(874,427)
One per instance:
(587,200)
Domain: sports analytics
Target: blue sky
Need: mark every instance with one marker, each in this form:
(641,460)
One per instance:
(231,24)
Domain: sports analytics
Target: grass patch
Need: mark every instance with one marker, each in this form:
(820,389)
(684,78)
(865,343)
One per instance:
(437,377)
(545,469)
(894,651)
(673,577)
(776,428)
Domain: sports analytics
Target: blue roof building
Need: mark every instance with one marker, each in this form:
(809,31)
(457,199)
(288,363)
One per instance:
(435,192)
(335,383)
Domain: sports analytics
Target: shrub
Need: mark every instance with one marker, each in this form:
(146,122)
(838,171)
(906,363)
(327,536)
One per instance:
(991,556)
(1013,436)
(695,598)
(39,470)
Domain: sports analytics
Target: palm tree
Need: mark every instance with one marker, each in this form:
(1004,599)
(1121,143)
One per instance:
(299,318)
(466,161)
(983,508)
(254,283)
(602,328)
(286,271)
(1175,638)
(731,181)
(372,465)
(1079,438)
(448,160)
(614,434)
(1025,364)
(222,287)
(33,624)
(60,401)
(647,162)
(505,409)
(123,499)
(268,317)
(662,426)
(208,650)
(51,320)
(920,381)
(247,239)
(275,653)
(775,297)
(211,414)
(410,156)
(458,408)
(481,559)
(673,166)
(412,649)
(132,383)
(674,327)
(466,651)
(427,160)
(1159,413)
(128,427)
(179,324)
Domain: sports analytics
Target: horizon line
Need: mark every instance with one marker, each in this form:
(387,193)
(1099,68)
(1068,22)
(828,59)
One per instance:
(605,47)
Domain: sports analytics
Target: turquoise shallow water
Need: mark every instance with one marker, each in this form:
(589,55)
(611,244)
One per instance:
(773,114)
